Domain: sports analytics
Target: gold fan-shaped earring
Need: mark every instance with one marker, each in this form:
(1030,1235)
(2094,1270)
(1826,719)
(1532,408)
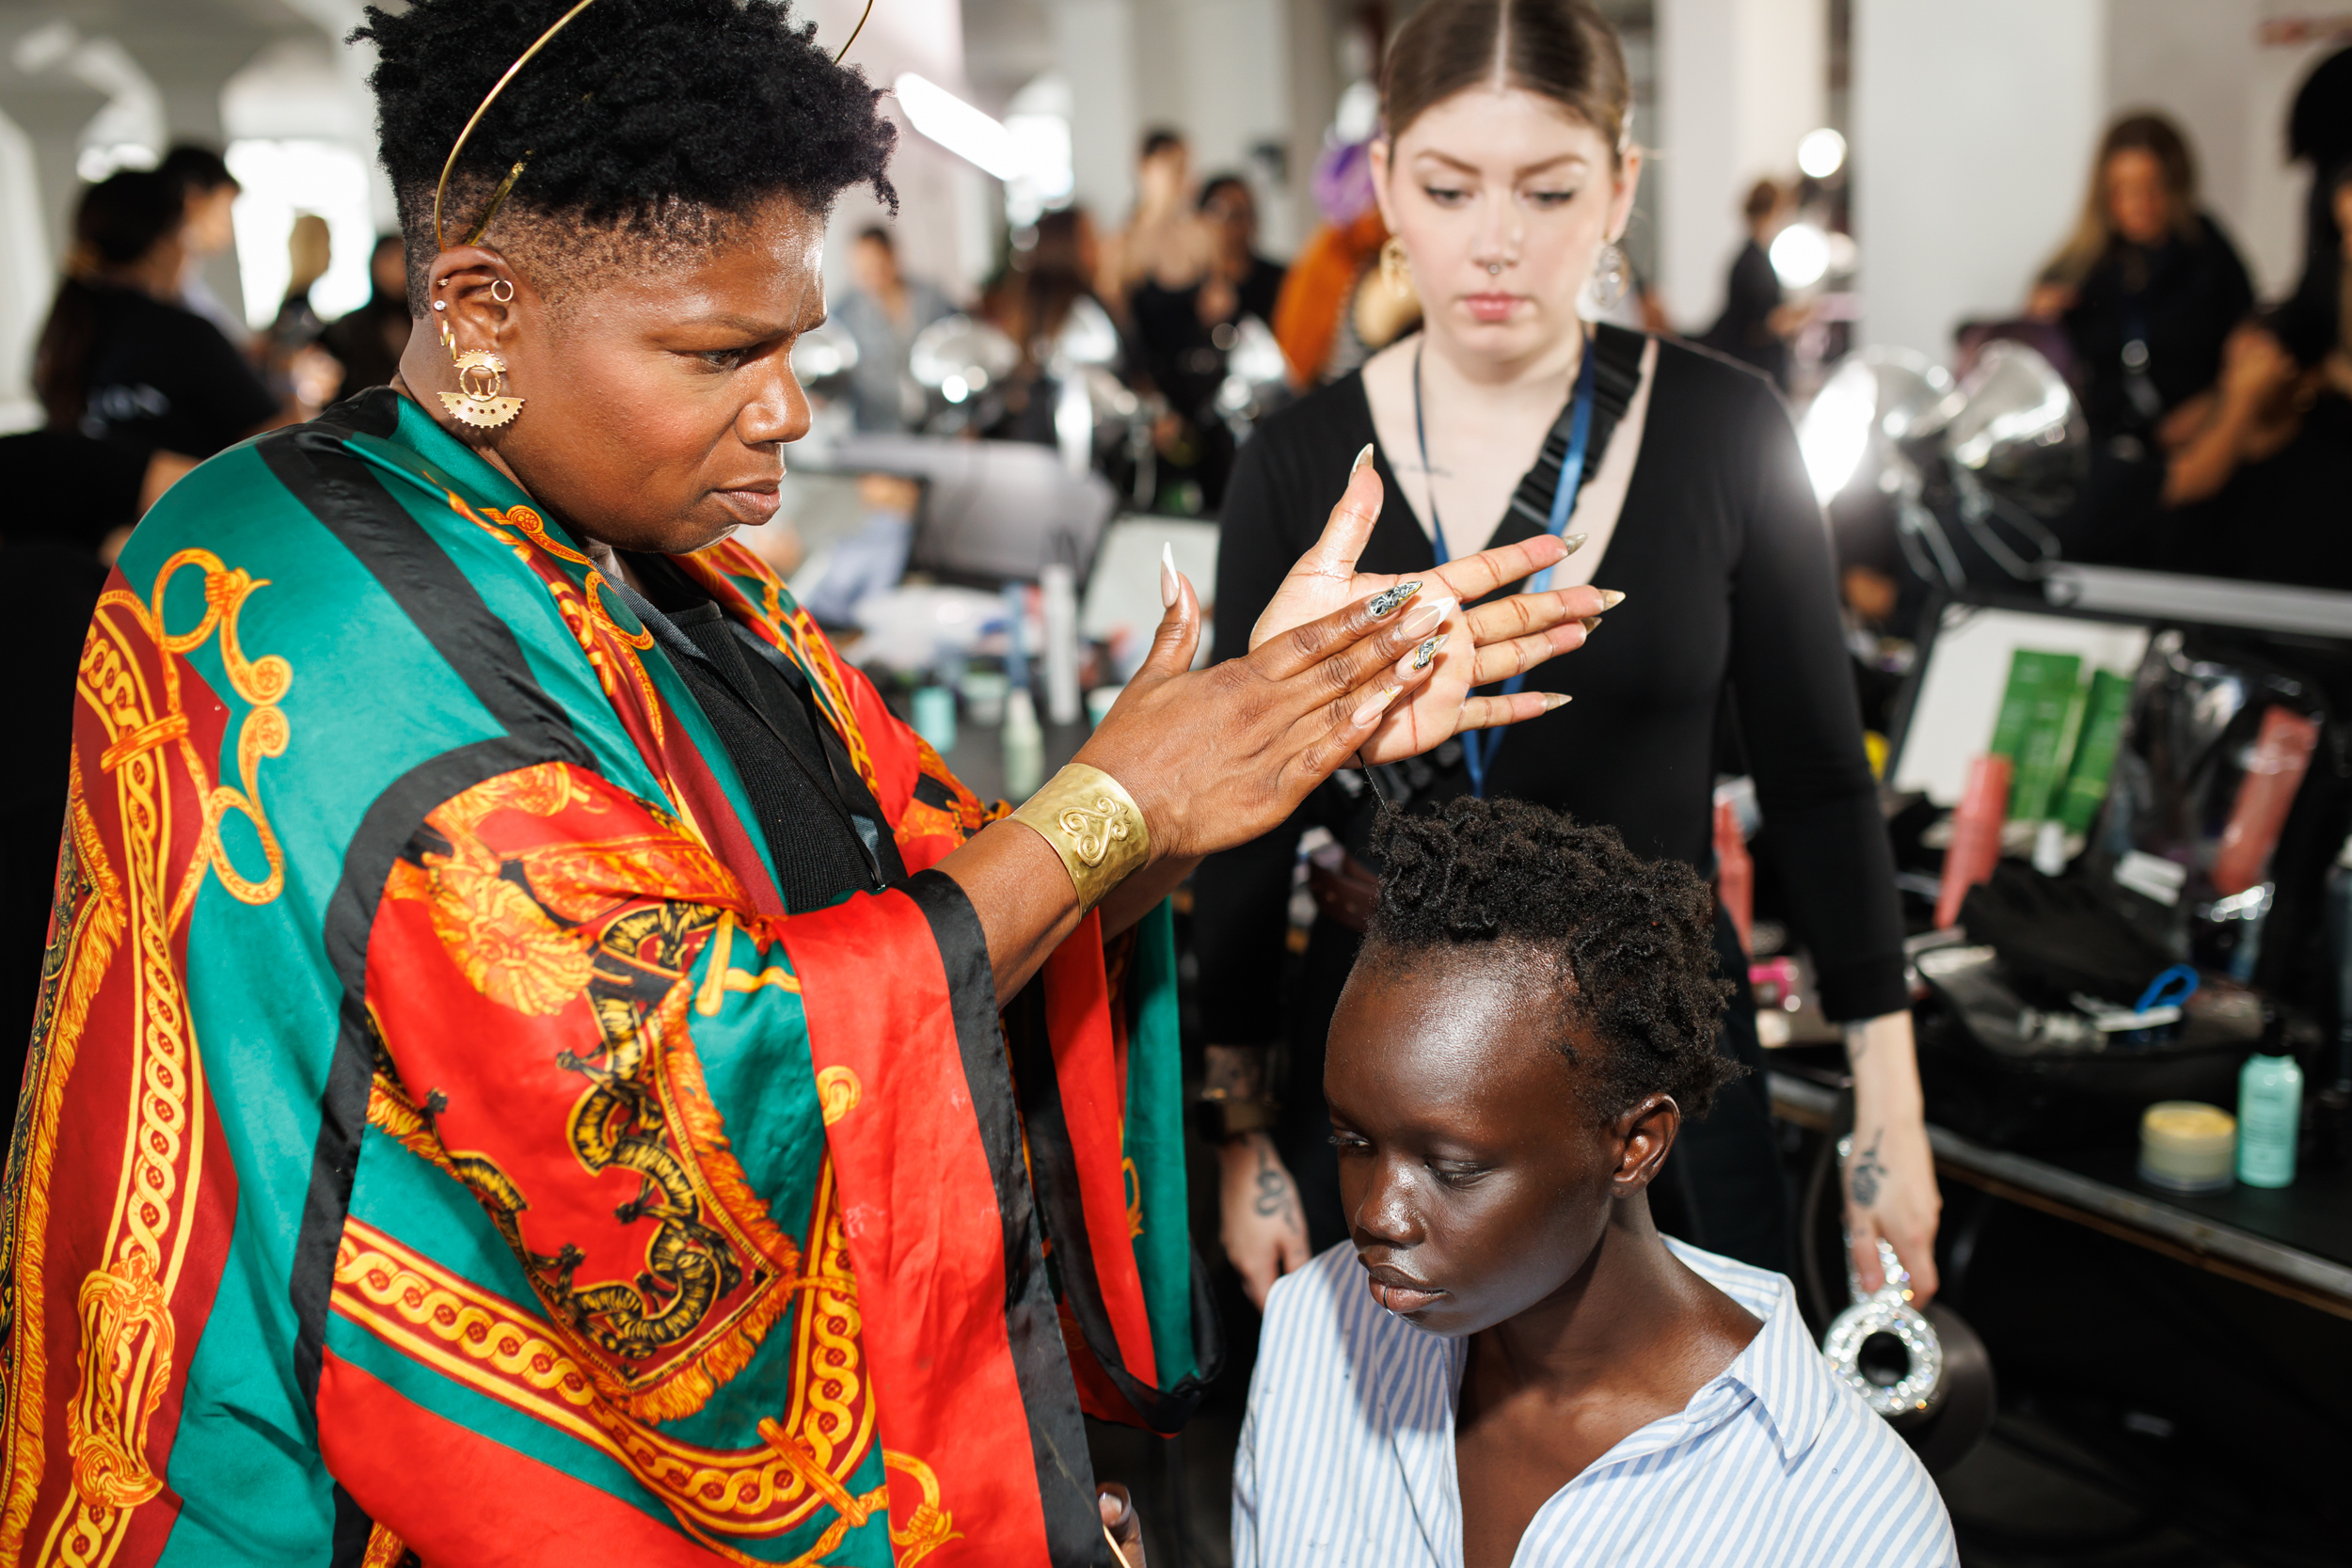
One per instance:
(1396,268)
(481,399)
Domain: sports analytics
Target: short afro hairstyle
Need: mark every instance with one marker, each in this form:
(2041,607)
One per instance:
(1634,940)
(647,124)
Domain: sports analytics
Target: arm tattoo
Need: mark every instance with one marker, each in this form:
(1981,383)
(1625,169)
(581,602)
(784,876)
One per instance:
(1867,1173)
(1276,1198)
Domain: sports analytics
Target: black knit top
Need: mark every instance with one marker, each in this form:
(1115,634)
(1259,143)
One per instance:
(1730,602)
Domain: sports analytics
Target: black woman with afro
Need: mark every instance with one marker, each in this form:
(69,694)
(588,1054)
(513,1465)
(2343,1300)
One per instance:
(535,1063)
(1507,1362)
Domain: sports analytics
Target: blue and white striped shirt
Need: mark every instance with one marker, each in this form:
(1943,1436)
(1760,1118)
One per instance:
(1347,1455)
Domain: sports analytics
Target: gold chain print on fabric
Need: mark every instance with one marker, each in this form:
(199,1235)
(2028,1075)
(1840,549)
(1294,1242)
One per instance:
(124,1306)
(807,1459)
(609,646)
(530,928)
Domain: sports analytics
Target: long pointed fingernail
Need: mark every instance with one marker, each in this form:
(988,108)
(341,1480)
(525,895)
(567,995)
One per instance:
(1168,576)
(1574,542)
(1384,603)
(1611,598)
(1376,703)
(1427,651)
(1426,616)
(1361,458)
(1591,622)
(1556,700)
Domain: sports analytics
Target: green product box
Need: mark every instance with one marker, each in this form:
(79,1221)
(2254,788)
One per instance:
(2085,786)
(2032,729)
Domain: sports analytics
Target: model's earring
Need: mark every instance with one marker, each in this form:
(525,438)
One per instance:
(481,399)
(1609,275)
(441,319)
(1396,268)
(506,298)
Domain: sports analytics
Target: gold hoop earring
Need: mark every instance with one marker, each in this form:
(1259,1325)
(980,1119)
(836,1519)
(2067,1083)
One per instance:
(481,399)
(1396,268)
(506,298)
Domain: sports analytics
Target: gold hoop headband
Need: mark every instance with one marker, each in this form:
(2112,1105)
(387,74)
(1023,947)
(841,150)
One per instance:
(507,184)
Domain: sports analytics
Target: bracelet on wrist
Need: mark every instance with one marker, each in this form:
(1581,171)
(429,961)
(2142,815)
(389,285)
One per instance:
(1093,824)
(1223,1117)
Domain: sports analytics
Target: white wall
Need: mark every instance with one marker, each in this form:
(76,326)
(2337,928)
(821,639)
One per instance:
(25,276)
(945,226)
(1095,45)
(1220,72)
(1739,83)
(1973,127)
(1236,58)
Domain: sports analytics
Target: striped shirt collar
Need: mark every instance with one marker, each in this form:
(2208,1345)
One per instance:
(1780,1369)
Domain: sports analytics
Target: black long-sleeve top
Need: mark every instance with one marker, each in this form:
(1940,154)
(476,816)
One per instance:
(1721,552)
(2181,298)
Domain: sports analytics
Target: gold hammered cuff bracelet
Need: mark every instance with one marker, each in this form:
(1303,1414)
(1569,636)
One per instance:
(1093,825)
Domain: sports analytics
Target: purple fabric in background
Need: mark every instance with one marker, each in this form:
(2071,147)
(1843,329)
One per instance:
(1343,183)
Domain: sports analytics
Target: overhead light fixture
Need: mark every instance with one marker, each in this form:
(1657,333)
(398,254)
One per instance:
(1822,153)
(959,127)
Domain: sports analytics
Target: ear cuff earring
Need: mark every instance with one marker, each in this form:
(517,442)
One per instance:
(481,399)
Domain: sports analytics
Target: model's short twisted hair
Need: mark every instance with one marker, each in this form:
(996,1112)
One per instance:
(645,122)
(1634,939)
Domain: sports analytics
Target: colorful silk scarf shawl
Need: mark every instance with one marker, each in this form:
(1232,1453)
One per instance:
(440,1144)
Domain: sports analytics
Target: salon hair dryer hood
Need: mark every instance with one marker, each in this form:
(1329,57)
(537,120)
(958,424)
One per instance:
(2013,420)
(963,349)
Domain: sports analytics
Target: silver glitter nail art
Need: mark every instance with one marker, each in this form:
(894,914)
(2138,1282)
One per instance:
(1429,650)
(1384,603)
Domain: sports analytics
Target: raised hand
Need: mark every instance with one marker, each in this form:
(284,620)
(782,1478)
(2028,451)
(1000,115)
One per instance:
(1488,644)
(1215,757)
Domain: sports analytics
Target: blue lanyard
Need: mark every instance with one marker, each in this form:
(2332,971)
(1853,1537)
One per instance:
(1478,746)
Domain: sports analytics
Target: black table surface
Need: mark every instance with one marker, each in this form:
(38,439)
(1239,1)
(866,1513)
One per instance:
(2314,1215)
(2299,1235)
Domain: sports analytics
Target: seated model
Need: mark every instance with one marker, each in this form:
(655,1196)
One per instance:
(1510,1365)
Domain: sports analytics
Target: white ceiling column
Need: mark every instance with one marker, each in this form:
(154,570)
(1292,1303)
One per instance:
(1739,83)
(1973,132)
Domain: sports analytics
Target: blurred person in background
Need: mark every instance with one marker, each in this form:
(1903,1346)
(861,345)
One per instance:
(368,342)
(309,251)
(1165,240)
(1184,335)
(2258,488)
(119,359)
(2147,291)
(1755,326)
(211,192)
(1506,169)
(883,314)
(1046,295)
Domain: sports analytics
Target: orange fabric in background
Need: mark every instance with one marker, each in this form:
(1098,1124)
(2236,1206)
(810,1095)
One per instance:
(1321,282)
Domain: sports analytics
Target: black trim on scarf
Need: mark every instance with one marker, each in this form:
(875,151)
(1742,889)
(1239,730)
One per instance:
(1057,1440)
(1054,1160)
(348,1544)
(342,492)
(389,825)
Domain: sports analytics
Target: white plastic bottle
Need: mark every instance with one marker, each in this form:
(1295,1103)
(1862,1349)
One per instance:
(1024,746)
